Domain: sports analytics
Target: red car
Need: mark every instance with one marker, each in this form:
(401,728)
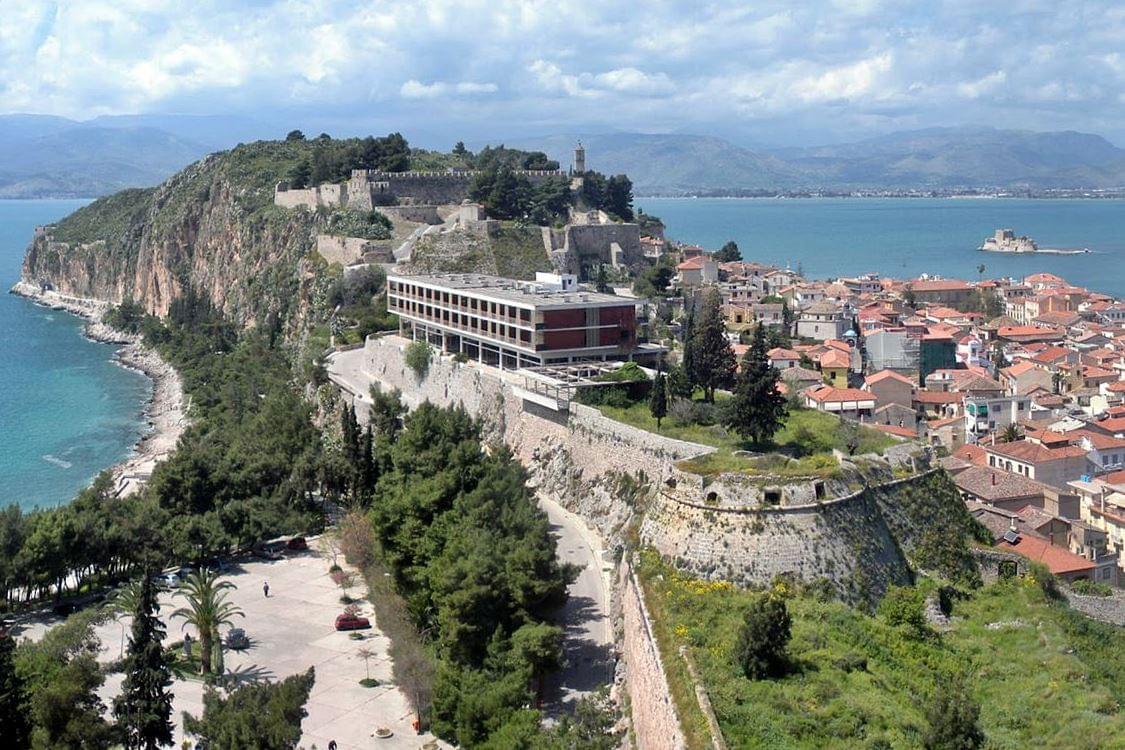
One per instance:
(351,622)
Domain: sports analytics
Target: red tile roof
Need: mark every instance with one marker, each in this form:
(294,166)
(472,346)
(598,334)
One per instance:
(1057,559)
(892,429)
(939,285)
(1028,452)
(828,394)
(882,375)
(974,454)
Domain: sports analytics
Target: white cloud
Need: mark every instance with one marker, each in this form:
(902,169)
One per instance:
(519,65)
(413,89)
(983,86)
(854,80)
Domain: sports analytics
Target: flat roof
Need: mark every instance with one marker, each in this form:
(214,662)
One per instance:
(527,293)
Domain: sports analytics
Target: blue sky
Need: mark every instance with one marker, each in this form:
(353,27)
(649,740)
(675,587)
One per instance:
(762,73)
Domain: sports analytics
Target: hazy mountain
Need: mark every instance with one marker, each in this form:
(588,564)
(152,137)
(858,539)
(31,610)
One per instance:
(56,157)
(672,163)
(926,159)
(964,157)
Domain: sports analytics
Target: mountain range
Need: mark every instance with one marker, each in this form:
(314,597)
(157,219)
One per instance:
(931,159)
(46,156)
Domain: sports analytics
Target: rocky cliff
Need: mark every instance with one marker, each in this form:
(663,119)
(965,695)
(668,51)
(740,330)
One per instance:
(212,228)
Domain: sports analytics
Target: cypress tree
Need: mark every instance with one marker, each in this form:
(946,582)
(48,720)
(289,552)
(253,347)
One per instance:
(658,398)
(687,362)
(757,409)
(14,725)
(144,707)
(712,359)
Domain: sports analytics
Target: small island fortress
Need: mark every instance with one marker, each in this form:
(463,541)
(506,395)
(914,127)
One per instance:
(1006,241)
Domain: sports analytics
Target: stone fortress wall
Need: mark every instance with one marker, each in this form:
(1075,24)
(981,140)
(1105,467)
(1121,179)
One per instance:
(849,531)
(368,189)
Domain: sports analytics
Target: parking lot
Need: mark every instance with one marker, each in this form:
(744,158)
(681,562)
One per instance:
(289,631)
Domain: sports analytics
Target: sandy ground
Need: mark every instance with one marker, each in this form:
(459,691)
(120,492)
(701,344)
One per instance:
(290,631)
(166,410)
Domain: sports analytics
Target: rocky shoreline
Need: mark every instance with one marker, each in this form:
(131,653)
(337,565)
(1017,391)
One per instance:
(165,411)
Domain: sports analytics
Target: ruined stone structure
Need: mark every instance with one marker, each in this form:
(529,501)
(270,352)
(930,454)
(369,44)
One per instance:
(367,189)
(591,240)
(350,250)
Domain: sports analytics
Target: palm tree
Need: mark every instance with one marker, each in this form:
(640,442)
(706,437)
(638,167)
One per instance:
(207,608)
(1010,434)
(123,604)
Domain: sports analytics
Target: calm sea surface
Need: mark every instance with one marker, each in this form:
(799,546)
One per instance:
(906,237)
(66,410)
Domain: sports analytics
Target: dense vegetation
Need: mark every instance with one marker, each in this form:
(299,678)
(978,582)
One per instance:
(1041,675)
(472,559)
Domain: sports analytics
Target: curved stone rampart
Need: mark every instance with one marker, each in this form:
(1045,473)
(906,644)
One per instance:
(850,529)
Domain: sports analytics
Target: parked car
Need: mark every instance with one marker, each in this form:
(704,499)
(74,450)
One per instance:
(297,544)
(237,639)
(351,622)
(215,565)
(268,553)
(168,580)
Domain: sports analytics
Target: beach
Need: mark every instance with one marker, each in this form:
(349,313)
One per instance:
(165,411)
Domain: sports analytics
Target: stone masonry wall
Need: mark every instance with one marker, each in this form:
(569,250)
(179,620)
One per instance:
(655,723)
(580,459)
(845,542)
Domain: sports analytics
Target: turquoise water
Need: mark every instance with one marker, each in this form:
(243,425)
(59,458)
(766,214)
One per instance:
(906,237)
(66,410)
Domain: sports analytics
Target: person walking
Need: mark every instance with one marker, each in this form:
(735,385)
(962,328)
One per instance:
(331,744)
(266,588)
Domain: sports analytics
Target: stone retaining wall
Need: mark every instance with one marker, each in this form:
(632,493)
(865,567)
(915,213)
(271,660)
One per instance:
(577,458)
(656,725)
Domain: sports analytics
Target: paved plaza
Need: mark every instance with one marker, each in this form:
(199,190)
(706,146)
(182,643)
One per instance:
(290,631)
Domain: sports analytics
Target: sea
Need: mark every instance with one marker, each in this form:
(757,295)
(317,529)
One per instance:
(67,411)
(906,237)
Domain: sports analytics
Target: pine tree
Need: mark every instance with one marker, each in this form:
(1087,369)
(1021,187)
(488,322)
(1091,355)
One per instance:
(757,409)
(658,398)
(712,359)
(144,707)
(14,725)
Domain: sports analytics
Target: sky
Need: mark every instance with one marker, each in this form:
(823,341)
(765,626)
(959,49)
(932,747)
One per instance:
(760,73)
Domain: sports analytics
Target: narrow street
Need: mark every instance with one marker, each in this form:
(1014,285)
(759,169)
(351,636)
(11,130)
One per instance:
(585,618)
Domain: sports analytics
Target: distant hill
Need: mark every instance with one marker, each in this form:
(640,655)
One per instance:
(672,163)
(937,158)
(55,157)
(964,157)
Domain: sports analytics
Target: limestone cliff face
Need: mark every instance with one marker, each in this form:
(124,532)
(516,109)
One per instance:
(211,228)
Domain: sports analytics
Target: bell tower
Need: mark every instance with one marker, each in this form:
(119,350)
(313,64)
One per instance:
(579,159)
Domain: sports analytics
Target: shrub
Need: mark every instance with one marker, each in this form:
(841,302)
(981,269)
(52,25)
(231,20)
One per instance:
(905,606)
(953,717)
(418,355)
(1045,579)
(1089,588)
(763,638)
(687,412)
